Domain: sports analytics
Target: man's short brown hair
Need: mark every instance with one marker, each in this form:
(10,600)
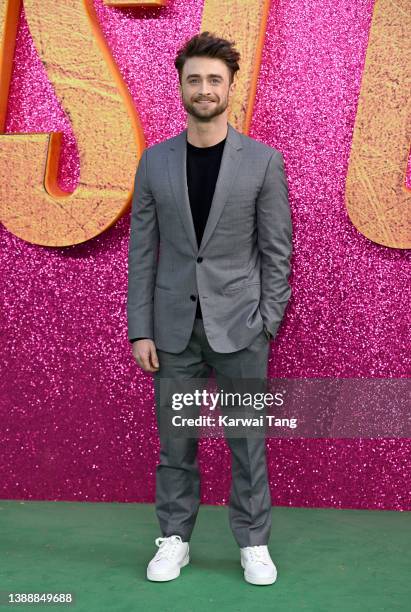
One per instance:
(207,44)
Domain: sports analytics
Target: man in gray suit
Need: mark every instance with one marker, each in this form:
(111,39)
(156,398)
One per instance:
(208,267)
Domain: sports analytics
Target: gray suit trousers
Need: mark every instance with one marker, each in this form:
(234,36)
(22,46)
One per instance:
(177,473)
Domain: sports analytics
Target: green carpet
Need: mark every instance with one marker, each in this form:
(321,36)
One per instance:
(328,560)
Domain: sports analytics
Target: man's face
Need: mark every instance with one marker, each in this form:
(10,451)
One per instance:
(204,88)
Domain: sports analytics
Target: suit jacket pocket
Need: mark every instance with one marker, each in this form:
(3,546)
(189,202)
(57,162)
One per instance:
(236,288)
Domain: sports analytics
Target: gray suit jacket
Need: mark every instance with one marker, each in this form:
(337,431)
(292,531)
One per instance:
(239,271)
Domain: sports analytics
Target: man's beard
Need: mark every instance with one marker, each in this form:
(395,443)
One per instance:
(205,114)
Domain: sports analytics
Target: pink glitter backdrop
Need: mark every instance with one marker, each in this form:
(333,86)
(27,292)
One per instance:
(77,413)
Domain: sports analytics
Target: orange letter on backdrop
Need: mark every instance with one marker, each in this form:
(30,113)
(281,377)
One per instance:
(105,123)
(378,202)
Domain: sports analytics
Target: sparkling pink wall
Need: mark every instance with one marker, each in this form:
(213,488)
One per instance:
(77,414)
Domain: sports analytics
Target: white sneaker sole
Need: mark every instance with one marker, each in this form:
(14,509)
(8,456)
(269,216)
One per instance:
(259,580)
(169,575)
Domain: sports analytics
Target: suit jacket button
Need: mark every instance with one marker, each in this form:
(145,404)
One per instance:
(193,298)
(199,259)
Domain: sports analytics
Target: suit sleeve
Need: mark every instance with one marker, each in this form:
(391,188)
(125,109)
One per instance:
(274,243)
(142,256)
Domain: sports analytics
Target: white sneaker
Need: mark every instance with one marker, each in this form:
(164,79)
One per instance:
(171,556)
(258,565)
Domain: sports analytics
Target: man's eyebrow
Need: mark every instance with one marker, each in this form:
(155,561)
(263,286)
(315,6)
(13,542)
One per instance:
(199,75)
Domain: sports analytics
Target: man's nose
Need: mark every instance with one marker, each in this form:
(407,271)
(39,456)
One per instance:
(204,88)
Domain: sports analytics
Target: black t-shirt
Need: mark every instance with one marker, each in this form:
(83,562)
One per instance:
(203,166)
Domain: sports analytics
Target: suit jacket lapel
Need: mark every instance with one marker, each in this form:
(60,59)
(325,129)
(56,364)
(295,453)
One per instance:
(177,159)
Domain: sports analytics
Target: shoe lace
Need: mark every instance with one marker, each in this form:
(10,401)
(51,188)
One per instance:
(167,546)
(258,554)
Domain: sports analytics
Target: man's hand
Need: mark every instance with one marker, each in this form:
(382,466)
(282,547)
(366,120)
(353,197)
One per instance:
(144,352)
